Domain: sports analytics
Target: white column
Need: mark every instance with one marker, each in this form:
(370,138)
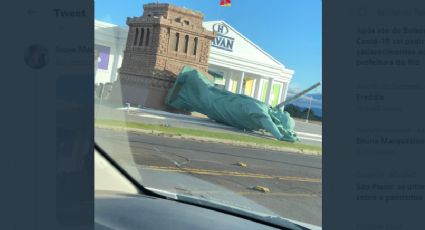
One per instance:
(254,84)
(284,92)
(280,92)
(269,91)
(240,83)
(257,88)
(227,81)
(231,81)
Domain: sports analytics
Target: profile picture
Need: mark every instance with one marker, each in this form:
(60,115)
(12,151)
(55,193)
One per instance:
(36,56)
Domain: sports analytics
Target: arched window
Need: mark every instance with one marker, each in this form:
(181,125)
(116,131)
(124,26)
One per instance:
(135,38)
(147,36)
(186,43)
(195,46)
(176,47)
(142,35)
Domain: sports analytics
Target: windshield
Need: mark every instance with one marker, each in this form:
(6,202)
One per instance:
(173,112)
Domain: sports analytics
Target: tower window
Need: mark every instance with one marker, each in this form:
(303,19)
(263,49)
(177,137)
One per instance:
(186,43)
(195,46)
(142,35)
(176,47)
(135,38)
(147,36)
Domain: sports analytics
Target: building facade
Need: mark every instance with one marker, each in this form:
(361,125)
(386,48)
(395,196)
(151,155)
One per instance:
(110,42)
(159,43)
(242,67)
(233,62)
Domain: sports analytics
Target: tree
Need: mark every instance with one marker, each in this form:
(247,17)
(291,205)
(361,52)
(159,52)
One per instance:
(298,112)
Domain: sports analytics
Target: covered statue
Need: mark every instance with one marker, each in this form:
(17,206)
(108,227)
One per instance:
(192,91)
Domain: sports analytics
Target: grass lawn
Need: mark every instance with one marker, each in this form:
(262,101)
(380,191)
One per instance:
(209,134)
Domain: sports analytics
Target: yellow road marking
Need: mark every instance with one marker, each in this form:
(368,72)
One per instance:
(232,173)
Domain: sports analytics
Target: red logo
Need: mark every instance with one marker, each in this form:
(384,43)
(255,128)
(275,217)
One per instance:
(225,2)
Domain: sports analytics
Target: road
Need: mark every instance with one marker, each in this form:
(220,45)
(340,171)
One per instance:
(294,180)
(308,133)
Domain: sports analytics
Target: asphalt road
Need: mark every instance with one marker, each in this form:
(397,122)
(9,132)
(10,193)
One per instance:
(210,169)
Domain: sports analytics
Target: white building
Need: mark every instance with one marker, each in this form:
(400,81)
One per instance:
(237,64)
(110,41)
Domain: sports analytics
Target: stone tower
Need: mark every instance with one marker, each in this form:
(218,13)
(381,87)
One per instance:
(159,44)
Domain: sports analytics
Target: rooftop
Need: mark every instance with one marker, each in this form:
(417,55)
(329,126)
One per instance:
(175,8)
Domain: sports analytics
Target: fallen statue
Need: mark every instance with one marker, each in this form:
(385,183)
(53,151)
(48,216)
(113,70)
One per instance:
(192,91)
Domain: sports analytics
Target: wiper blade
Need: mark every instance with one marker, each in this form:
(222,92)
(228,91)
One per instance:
(258,217)
(140,188)
(273,221)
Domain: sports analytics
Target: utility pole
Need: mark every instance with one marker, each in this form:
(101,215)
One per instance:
(309,108)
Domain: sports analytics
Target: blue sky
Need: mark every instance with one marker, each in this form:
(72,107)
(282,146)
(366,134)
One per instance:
(289,30)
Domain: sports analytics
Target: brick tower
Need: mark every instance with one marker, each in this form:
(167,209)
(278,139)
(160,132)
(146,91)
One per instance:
(159,44)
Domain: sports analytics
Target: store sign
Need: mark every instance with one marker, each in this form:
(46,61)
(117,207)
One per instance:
(104,53)
(222,41)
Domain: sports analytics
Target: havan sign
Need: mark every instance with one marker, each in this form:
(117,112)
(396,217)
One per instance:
(222,41)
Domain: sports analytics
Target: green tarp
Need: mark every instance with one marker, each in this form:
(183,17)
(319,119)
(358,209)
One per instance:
(192,91)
